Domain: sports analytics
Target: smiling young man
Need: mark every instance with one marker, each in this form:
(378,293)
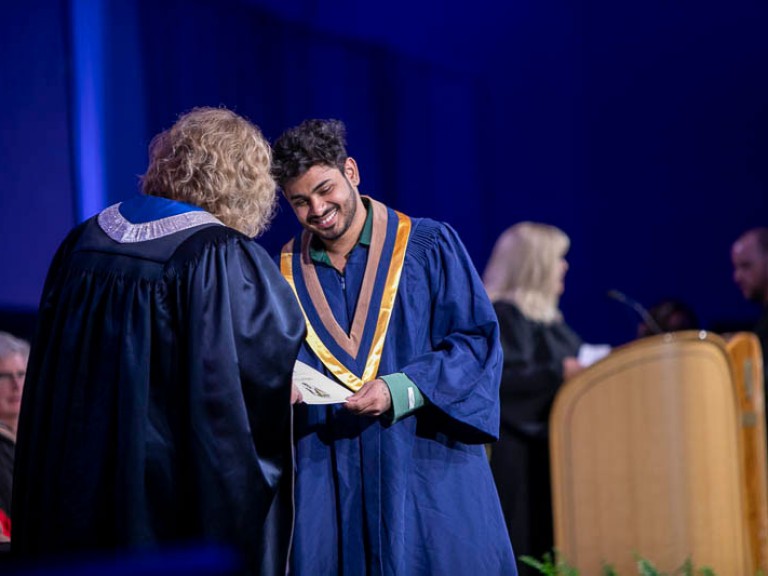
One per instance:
(327,204)
(395,480)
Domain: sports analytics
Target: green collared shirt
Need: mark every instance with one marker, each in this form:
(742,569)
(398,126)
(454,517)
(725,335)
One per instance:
(406,397)
(319,254)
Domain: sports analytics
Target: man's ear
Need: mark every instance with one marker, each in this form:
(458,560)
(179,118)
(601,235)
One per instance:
(351,172)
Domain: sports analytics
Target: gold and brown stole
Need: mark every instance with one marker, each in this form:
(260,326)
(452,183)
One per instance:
(353,358)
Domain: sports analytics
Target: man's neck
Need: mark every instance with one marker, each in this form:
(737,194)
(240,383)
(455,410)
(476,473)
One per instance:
(342,246)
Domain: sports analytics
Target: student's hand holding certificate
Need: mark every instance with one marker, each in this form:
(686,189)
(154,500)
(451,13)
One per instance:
(317,388)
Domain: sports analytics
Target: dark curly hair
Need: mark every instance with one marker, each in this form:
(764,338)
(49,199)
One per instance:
(311,143)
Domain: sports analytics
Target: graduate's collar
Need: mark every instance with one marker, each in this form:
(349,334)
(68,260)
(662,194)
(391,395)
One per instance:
(317,250)
(144,218)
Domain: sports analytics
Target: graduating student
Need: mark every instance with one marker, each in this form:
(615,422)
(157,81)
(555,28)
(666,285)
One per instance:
(396,480)
(157,404)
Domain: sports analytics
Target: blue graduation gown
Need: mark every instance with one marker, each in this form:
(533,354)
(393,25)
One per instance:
(417,496)
(156,410)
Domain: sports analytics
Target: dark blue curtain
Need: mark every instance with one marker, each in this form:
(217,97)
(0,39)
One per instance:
(641,130)
(414,127)
(37,204)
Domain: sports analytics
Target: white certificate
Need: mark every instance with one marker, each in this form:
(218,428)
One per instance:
(317,388)
(591,353)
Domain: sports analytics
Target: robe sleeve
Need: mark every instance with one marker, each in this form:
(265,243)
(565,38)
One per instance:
(460,372)
(27,434)
(57,269)
(245,330)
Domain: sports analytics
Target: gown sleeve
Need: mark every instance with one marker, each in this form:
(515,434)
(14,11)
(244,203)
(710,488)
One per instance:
(28,439)
(460,372)
(246,329)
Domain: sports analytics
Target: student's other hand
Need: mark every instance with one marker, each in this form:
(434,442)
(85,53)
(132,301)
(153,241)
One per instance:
(373,399)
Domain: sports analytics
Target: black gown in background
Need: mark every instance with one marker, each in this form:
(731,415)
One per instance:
(156,409)
(7,445)
(533,356)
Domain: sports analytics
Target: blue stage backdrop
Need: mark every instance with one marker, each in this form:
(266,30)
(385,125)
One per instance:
(640,129)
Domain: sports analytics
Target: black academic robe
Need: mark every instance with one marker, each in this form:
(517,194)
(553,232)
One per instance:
(156,410)
(532,375)
(7,445)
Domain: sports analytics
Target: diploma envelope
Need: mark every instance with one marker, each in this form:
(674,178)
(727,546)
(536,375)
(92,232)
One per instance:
(316,388)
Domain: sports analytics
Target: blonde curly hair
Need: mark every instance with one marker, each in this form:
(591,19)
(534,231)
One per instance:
(219,161)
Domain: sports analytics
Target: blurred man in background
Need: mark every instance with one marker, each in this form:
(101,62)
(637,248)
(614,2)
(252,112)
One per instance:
(749,255)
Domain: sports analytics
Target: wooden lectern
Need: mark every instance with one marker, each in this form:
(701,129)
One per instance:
(659,451)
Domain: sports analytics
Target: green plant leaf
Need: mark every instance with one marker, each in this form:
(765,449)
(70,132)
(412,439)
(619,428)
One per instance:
(645,568)
(545,565)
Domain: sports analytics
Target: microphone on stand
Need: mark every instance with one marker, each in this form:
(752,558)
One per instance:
(637,307)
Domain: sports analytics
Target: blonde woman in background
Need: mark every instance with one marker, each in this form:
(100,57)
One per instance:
(524,279)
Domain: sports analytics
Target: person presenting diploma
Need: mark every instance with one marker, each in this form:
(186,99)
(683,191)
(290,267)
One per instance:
(157,406)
